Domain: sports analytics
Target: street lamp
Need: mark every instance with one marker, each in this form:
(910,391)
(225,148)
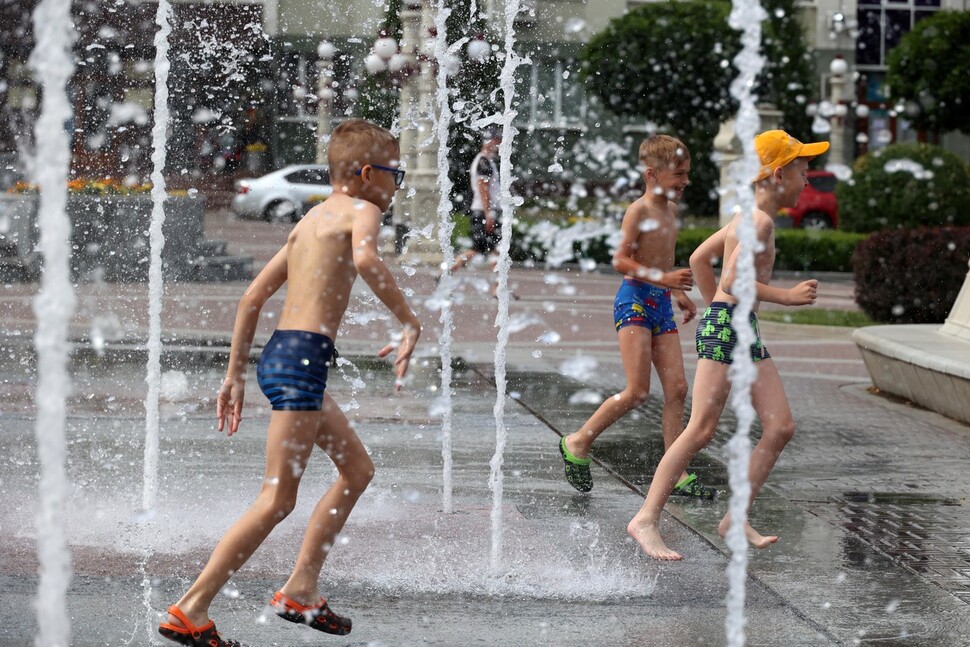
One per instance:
(838,68)
(325,54)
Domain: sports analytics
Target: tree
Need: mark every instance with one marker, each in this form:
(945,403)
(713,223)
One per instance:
(671,64)
(929,71)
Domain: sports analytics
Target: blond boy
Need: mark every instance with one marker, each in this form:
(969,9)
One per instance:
(784,162)
(643,312)
(327,249)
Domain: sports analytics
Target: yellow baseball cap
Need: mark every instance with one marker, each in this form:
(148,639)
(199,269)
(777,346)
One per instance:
(776,148)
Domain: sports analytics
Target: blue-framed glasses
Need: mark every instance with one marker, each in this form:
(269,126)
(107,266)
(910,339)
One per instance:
(398,173)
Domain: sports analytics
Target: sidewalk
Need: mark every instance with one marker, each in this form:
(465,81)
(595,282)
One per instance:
(869,498)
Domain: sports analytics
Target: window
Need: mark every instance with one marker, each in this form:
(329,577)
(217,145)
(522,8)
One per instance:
(553,94)
(309,176)
(882,23)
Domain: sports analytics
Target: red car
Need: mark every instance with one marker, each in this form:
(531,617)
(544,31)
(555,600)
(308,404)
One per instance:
(817,207)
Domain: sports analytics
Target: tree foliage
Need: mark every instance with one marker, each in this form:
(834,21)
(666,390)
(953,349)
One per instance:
(671,64)
(929,71)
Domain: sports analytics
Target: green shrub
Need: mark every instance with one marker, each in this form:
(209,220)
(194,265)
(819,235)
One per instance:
(795,249)
(911,275)
(814,250)
(567,242)
(905,185)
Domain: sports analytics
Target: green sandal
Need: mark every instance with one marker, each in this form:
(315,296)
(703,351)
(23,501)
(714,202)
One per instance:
(577,469)
(690,486)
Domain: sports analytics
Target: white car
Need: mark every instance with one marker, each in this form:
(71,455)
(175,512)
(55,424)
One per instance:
(281,196)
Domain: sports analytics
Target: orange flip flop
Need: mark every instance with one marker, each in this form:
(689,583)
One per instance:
(319,616)
(189,634)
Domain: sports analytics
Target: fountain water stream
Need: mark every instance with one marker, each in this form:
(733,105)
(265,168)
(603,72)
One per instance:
(157,241)
(507,84)
(746,16)
(53,307)
(445,229)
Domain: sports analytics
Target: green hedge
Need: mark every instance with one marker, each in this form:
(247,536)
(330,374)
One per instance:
(796,249)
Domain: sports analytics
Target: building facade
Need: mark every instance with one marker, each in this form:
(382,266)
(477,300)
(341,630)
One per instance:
(244,78)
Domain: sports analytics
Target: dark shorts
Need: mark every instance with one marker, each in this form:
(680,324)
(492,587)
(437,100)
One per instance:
(485,242)
(643,304)
(292,369)
(716,337)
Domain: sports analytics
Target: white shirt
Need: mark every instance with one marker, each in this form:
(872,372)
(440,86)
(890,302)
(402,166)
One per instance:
(484,168)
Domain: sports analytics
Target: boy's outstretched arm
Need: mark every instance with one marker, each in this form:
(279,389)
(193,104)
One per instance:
(624,262)
(367,261)
(803,294)
(702,264)
(229,402)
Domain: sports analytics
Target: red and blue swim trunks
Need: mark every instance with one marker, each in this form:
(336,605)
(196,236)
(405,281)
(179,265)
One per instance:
(638,303)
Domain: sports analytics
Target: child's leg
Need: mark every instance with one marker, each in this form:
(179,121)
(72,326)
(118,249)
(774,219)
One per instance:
(778,427)
(711,388)
(289,442)
(463,258)
(636,351)
(669,360)
(337,438)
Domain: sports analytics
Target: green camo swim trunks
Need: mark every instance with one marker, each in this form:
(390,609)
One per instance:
(716,337)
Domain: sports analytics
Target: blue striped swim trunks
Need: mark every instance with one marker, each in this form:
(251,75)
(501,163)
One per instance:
(292,369)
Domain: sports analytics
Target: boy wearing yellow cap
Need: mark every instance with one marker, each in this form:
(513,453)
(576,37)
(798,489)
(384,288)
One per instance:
(784,164)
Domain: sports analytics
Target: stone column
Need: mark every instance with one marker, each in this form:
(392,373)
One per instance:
(727,149)
(957,323)
(416,205)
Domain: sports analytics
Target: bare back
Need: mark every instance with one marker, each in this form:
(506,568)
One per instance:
(764,261)
(320,266)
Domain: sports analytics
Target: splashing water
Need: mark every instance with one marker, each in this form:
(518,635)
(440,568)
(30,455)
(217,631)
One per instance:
(445,229)
(507,84)
(53,307)
(746,16)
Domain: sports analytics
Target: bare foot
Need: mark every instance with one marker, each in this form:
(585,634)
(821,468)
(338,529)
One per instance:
(755,538)
(648,536)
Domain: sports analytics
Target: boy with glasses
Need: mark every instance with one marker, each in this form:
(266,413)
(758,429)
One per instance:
(327,249)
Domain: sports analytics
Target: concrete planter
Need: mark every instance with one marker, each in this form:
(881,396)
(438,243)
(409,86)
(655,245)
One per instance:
(110,236)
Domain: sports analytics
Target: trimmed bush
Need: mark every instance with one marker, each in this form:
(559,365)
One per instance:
(556,243)
(905,185)
(815,251)
(911,275)
(795,249)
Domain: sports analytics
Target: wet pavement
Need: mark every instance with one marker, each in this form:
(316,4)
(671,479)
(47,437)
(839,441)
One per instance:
(869,498)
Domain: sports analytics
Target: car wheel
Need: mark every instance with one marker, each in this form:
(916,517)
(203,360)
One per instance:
(280,211)
(816,220)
